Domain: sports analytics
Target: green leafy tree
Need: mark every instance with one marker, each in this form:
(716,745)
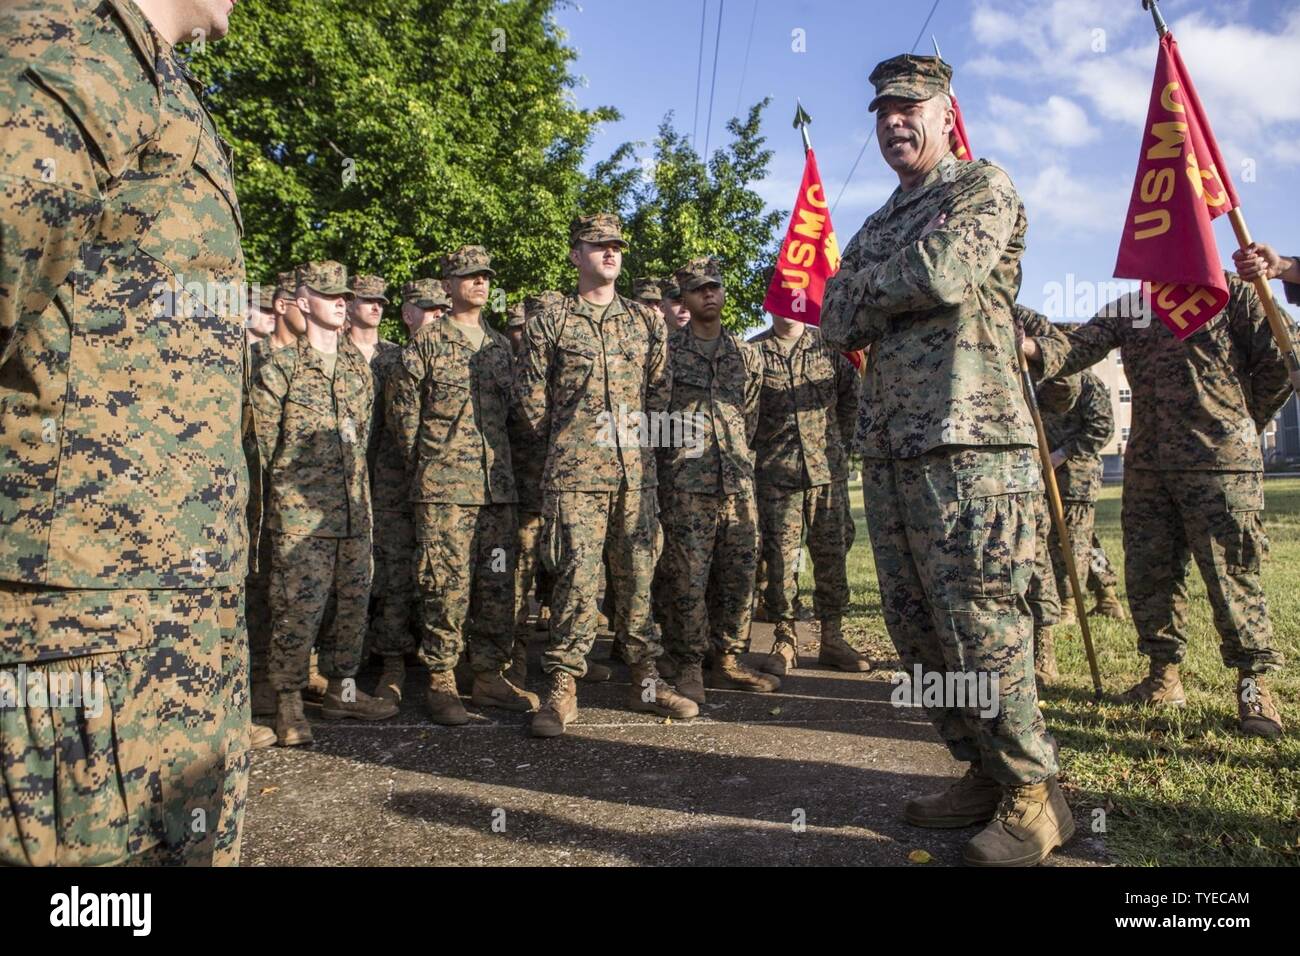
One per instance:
(677,208)
(383,133)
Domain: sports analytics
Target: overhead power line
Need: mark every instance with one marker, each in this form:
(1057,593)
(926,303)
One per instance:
(713,83)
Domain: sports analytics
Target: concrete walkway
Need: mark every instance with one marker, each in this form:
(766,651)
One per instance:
(814,774)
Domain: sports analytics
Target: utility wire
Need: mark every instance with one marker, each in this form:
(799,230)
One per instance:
(713,84)
(699,68)
(862,152)
(745,68)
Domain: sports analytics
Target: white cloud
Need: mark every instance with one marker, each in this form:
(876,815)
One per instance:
(1055,196)
(1018,127)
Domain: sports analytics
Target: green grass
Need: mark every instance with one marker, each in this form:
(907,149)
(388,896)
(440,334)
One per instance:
(1177,788)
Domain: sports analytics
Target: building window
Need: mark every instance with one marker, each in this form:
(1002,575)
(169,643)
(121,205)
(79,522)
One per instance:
(1125,396)
(1123,433)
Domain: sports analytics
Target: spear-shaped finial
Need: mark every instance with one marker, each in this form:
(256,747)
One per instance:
(1161,27)
(801,121)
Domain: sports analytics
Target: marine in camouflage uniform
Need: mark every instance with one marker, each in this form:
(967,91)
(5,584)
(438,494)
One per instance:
(394,610)
(950,473)
(1193,482)
(451,406)
(807,411)
(312,408)
(123,483)
(710,513)
(528,454)
(591,363)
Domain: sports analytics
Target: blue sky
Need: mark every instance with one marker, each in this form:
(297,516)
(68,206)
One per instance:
(1055,91)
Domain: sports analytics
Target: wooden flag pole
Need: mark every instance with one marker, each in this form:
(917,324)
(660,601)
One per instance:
(1276,324)
(1058,519)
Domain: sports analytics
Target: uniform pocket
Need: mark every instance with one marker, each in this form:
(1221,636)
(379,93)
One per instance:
(550,543)
(991,525)
(1247,545)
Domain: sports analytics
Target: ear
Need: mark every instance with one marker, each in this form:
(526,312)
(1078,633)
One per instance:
(574,256)
(304,305)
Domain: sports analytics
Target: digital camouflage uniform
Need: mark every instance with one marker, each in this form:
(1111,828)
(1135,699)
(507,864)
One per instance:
(950,472)
(313,432)
(1193,474)
(1041,595)
(123,483)
(710,514)
(392,591)
(807,411)
(450,406)
(581,376)
(528,454)
(1079,422)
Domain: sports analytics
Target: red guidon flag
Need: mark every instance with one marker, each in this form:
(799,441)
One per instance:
(809,255)
(1182,185)
(960,141)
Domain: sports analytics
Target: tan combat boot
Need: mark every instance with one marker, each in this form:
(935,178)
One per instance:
(491,689)
(352,703)
(463,675)
(392,679)
(443,700)
(690,682)
(1256,713)
(1068,615)
(1109,605)
(1045,671)
(1160,688)
(651,694)
(784,656)
(1032,820)
(559,708)
(263,697)
(729,673)
(314,692)
(972,799)
(260,737)
(291,727)
(836,652)
(517,673)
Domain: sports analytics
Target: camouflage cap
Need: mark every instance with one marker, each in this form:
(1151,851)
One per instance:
(910,78)
(325,278)
(515,316)
(601,227)
(669,288)
(286,284)
(699,272)
(369,287)
(426,294)
(647,289)
(467,261)
(262,295)
(534,304)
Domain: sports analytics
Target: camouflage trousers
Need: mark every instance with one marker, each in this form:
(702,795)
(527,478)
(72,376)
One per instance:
(580,529)
(823,514)
(710,549)
(465,577)
(149,764)
(1079,517)
(530,532)
(953,533)
(305,573)
(1042,595)
(257,612)
(1213,517)
(392,592)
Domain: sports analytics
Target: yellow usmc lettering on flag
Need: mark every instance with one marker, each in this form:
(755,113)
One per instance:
(801,254)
